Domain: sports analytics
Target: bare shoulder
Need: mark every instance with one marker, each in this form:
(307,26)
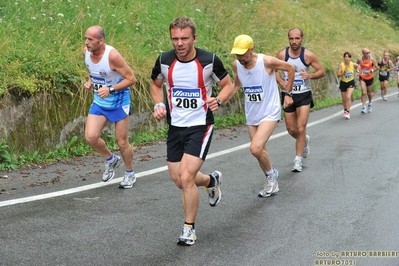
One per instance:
(310,56)
(115,59)
(114,54)
(268,58)
(234,64)
(281,54)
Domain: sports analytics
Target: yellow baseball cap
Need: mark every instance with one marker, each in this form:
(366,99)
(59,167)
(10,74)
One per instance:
(241,44)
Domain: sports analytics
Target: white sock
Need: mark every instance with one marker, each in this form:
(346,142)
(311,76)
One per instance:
(270,172)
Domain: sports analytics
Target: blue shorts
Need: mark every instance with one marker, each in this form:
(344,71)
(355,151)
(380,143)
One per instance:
(113,115)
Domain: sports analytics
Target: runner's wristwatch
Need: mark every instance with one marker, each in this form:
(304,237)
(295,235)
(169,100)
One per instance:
(289,93)
(111,90)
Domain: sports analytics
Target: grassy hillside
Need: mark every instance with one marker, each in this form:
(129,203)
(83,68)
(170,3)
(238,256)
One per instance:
(42,40)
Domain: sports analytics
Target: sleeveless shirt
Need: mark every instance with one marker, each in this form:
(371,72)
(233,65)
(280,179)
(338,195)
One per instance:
(350,72)
(261,93)
(300,85)
(367,67)
(384,66)
(102,75)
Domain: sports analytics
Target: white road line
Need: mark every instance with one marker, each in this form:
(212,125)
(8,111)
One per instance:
(156,170)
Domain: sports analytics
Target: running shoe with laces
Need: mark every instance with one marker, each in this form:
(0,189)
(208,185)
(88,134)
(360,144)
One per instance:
(128,180)
(364,110)
(109,172)
(306,149)
(297,166)
(187,237)
(271,185)
(370,107)
(348,116)
(214,193)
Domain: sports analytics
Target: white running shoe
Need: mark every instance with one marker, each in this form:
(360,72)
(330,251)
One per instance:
(370,108)
(214,193)
(364,110)
(109,172)
(306,149)
(271,185)
(346,115)
(128,181)
(297,166)
(187,237)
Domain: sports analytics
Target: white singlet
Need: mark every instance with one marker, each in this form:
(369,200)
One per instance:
(262,100)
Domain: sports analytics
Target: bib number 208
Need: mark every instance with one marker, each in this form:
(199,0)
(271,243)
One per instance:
(187,103)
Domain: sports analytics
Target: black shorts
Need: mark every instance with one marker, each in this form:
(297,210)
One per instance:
(194,140)
(299,99)
(383,78)
(368,82)
(343,86)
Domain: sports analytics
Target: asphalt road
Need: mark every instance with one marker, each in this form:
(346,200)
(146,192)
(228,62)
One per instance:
(341,210)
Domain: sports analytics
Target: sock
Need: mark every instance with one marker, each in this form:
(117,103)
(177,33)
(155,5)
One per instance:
(129,172)
(270,172)
(111,159)
(299,158)
(190,224)
(345,110)
(211,181)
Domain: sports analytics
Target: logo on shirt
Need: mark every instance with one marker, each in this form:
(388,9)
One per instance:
(96,80)
(253,89)
(186,93)
(103,73)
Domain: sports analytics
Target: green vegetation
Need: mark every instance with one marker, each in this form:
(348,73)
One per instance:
(42,42)
(389,7)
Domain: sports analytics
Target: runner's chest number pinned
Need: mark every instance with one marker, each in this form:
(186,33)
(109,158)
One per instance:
(254,93)
(297,85)
(187,98)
